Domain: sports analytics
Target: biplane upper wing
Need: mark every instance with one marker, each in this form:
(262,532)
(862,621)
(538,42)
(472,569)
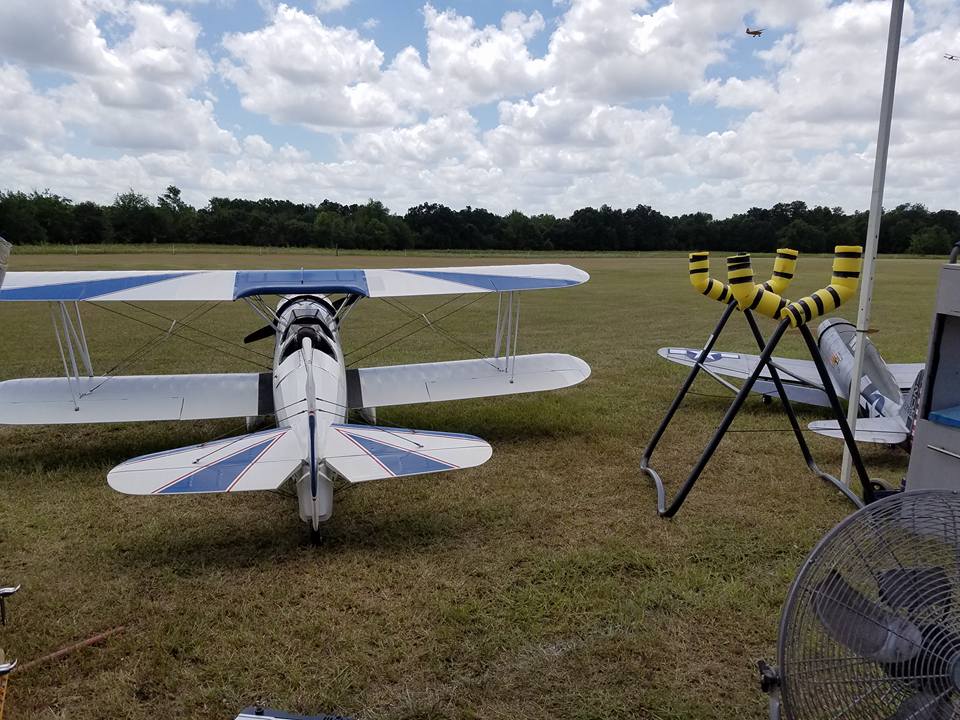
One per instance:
(212,285)
(462,379)
(131,398)
(800,378)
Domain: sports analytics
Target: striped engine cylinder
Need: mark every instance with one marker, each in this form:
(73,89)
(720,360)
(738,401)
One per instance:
(847,261)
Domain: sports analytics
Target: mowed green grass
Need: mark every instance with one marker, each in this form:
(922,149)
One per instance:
(539,585)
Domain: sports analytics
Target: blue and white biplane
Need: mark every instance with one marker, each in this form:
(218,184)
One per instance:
(309,390)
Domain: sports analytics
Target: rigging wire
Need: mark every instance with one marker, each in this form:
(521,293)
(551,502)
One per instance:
(242,346)
(174,331)
(401,327)
(415,331)
(442,331)
(143,349)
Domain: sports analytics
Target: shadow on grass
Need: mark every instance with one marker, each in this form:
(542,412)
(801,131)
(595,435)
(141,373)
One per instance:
(193,550)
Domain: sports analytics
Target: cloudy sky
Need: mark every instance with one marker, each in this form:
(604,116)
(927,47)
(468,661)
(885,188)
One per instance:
(538,105)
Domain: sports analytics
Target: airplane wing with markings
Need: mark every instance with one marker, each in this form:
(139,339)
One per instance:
(462,379)
(132,398)
(212,285)
(800,378)
(259,461)
(366,452)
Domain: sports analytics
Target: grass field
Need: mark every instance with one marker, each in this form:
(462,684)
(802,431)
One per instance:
(539,585)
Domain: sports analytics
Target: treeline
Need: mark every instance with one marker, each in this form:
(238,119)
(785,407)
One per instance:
(43,217)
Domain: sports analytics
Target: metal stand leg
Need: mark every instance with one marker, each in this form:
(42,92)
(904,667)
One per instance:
(848,438)
(721,430)
(794,423)
(694,371)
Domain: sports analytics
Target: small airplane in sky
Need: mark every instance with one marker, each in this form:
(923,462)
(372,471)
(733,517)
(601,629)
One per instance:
(888,397)
(755,33)
(309,389)
(950,56)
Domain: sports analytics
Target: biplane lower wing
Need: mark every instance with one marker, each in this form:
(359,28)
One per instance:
(462,379)
(365,452)
(224,285)
(259,461)
(132,398)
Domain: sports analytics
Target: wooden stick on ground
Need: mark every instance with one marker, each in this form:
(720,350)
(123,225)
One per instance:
(68,649)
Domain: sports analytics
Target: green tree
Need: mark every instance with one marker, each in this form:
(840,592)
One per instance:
(932,240)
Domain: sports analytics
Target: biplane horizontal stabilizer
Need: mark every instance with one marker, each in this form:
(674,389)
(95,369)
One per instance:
(365,452)
(883,430)
(260,461)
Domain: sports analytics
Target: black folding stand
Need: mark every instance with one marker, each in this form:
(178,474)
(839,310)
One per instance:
(767,349)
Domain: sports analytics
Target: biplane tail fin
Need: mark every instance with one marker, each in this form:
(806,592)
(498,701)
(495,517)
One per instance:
(259,461)
(366,452)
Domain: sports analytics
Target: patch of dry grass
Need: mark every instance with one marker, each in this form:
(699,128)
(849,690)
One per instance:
(539,585)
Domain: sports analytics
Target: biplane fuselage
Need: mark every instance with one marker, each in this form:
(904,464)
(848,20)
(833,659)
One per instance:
(310,393)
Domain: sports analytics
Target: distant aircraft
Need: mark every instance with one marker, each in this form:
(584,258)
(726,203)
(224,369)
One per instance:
(755,33)
(308,391)
(949,56)
(888,397)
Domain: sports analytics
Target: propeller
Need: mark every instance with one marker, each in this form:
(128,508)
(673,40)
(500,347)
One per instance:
(923,656)
(870,630)
(262,334)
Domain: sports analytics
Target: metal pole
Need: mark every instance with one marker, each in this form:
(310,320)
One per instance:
(873,224)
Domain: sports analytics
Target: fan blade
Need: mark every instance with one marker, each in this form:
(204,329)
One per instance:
(867,628)
(923,706)
(261,334)
(915,588)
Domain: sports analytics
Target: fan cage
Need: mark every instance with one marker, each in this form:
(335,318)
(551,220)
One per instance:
(913,538)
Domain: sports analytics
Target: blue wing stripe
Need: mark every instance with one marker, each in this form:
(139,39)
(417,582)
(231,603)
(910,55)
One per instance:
(220,475)
(292,282)
(85,289)
(498,283)
(397,461)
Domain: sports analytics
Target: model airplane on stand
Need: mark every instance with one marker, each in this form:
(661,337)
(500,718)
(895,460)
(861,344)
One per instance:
(888,394)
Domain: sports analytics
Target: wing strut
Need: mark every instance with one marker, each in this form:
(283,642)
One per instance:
(75,343)
(508,323)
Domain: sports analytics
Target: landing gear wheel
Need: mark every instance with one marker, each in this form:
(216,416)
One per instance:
(766,399)
(316,537)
